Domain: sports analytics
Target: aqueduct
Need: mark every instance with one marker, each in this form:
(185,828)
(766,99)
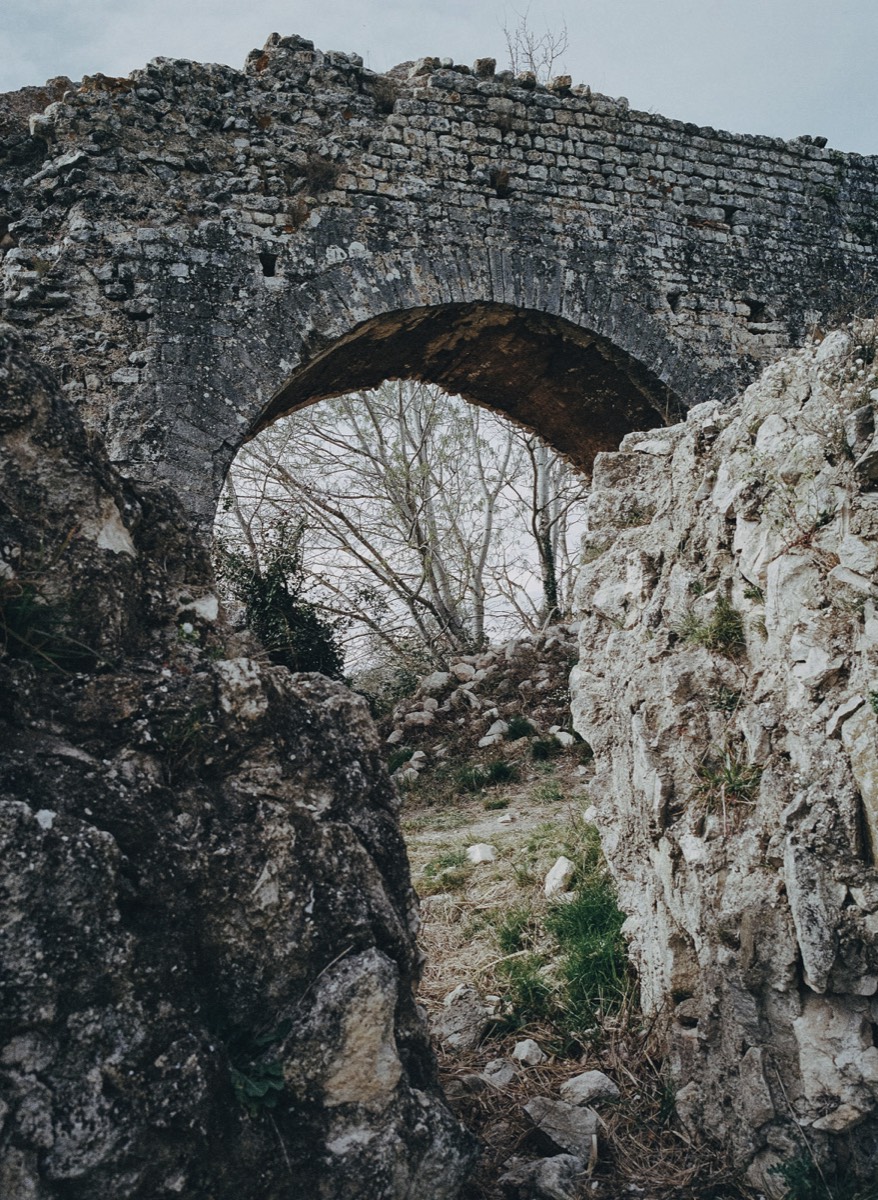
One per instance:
(199,249)
(209,844)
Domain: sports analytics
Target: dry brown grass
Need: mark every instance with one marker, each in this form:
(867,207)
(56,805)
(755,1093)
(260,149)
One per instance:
(642,1149)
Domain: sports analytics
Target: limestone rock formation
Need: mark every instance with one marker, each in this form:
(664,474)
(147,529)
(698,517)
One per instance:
(728,685)
(207,953)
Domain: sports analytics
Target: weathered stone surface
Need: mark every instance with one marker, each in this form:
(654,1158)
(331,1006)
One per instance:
(727,684)
(555,1178)
(588,1087)
(197,250)
(528,1052)
(462,1022)
(205,900)
(562,1128)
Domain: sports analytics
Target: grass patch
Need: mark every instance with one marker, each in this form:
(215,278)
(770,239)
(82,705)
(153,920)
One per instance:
(495,803)
(519,727)
(729,777)
(723,630)
(34,630)
(475,776)
(594,964)
(447,872)
(543,749)
(567,962)
(549,792)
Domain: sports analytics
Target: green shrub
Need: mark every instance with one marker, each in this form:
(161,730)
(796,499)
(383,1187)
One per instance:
(495,804)
(272,592)
(519,727)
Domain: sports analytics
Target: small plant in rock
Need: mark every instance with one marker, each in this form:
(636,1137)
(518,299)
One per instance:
(873,701)
(398,756)
(727,778)
(321,173)
(35,630)
(806,1180)
(259,1087)
(519,727)
(752,592)
(723,630)
(725,699)
(257,1081)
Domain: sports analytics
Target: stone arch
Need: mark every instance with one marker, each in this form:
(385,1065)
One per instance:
(558,352)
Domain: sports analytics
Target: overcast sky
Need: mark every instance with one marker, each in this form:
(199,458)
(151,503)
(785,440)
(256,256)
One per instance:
(782,67)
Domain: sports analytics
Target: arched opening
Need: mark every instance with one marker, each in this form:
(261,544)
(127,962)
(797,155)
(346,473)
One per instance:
(492,776)
(572,387)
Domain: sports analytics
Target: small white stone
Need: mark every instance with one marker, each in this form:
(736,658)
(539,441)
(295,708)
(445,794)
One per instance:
(45,818)
(481,853)
(528,1052)
(500,1072)
(693,848)
(587,1087)
(558,876)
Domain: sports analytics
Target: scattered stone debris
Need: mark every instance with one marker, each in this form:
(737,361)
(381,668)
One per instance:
(528,1052)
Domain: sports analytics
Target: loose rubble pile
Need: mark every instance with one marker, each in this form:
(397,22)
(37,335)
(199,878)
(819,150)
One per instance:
(474,701)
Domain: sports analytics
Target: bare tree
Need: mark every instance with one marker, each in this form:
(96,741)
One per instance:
(538,53)
(417,511)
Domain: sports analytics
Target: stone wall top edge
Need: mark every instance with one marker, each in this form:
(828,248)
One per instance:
(579,99)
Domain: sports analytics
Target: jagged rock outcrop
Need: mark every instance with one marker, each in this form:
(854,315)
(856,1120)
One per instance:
(728,684)
(208,952)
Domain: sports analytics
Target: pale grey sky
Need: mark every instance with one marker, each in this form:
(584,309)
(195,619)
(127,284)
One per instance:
(781,67)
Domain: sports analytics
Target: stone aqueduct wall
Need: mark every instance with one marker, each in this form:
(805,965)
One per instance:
(183,242)
(195,250)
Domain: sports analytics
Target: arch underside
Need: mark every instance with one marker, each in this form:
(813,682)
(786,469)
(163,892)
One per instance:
(573,388)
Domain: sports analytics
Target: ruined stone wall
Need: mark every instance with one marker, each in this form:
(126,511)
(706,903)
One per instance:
(205,902)
(181,242)
(728,683)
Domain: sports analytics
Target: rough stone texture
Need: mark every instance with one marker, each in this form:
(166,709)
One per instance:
(558,1178)
(202,872)
(199,249)
(561,1128)
(208,847)
(736,785)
